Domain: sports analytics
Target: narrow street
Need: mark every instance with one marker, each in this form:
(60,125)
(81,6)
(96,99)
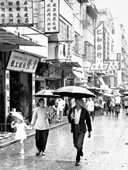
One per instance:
(107,149)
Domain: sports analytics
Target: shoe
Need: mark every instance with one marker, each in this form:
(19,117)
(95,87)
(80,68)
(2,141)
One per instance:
(77,163)
(38,153)
(43,153)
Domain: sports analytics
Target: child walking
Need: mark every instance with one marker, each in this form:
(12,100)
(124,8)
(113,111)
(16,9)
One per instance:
(20,135)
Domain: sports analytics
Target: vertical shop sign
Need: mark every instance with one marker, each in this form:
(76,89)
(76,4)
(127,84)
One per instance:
(69,52)
(99,44)
(119,60)
(33,91)
(7,93)
(51,16)
(16,13)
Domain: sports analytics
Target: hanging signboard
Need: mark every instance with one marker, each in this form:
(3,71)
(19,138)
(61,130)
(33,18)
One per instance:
(51,16)
(113,65)
(119,60)
(99,43)
(16,13)
(99,66)
(22,62)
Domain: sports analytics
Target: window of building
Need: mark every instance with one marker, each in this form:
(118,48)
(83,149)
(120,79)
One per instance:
(88,51)
(64,31)
(90,24)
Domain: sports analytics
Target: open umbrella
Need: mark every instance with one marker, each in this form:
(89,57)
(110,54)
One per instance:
(17,115)
(108,94)
(45,93)
(125,98)
(125,93)
(74,91)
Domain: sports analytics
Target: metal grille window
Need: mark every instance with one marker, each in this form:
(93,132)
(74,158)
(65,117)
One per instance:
(88,51)
(64,31)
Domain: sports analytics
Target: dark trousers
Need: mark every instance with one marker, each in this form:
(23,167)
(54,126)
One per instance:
(78,139)
(41,137)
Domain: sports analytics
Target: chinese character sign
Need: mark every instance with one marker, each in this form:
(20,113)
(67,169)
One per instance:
(51,16)
(99,44)
(22,62)
(69,52)
(99,67)
(16,12)
(119,60)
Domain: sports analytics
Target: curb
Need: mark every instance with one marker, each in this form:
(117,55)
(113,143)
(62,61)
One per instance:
(30,135)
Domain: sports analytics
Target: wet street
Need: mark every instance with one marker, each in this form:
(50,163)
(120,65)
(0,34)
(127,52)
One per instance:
(107,149)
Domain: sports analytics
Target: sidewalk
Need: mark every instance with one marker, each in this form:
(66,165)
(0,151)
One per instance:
(8,138)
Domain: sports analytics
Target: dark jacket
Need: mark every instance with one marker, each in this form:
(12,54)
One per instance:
(84,120)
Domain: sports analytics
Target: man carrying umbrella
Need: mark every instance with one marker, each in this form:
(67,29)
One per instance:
(79,118)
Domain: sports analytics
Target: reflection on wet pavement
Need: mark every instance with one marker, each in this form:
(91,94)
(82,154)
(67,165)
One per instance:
(107,149)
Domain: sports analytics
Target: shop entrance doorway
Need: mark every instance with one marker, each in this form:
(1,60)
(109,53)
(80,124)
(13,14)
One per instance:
(21,93)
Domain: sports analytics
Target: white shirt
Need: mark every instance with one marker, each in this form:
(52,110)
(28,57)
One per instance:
(77,115)
(61,105)
(90,106)
(117,99)
(40,119)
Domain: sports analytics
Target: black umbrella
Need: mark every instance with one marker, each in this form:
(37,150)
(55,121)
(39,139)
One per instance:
(74,91)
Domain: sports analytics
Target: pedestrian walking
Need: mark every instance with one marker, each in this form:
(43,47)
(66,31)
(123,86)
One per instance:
(41,124)
(80,121)
(90,107)
(60,109)
(20,135)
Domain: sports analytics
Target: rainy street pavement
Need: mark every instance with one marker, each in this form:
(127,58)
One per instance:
(107,149)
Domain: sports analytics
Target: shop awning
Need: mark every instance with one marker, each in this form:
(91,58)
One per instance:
(70,64)
(29,53)
(78,74)
(63,63)
(13,38)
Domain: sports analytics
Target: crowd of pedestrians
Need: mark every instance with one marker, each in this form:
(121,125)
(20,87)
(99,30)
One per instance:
(80,113)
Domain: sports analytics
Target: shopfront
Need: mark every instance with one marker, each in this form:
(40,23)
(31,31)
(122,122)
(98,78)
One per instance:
(19,83)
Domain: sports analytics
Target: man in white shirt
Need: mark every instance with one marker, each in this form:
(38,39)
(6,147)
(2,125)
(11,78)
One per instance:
(60,109)
(79,118)
(90,107)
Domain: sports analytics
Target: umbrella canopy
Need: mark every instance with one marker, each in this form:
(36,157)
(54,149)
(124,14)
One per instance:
(125,93)
(125,98)
(45,93)
(74,91)
(17,115)
(108,94)
(118,88)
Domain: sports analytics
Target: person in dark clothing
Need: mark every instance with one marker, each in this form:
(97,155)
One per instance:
(79,119)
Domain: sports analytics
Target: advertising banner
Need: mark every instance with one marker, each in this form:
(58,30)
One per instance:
(51,16)
(99,43)
(16,12)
